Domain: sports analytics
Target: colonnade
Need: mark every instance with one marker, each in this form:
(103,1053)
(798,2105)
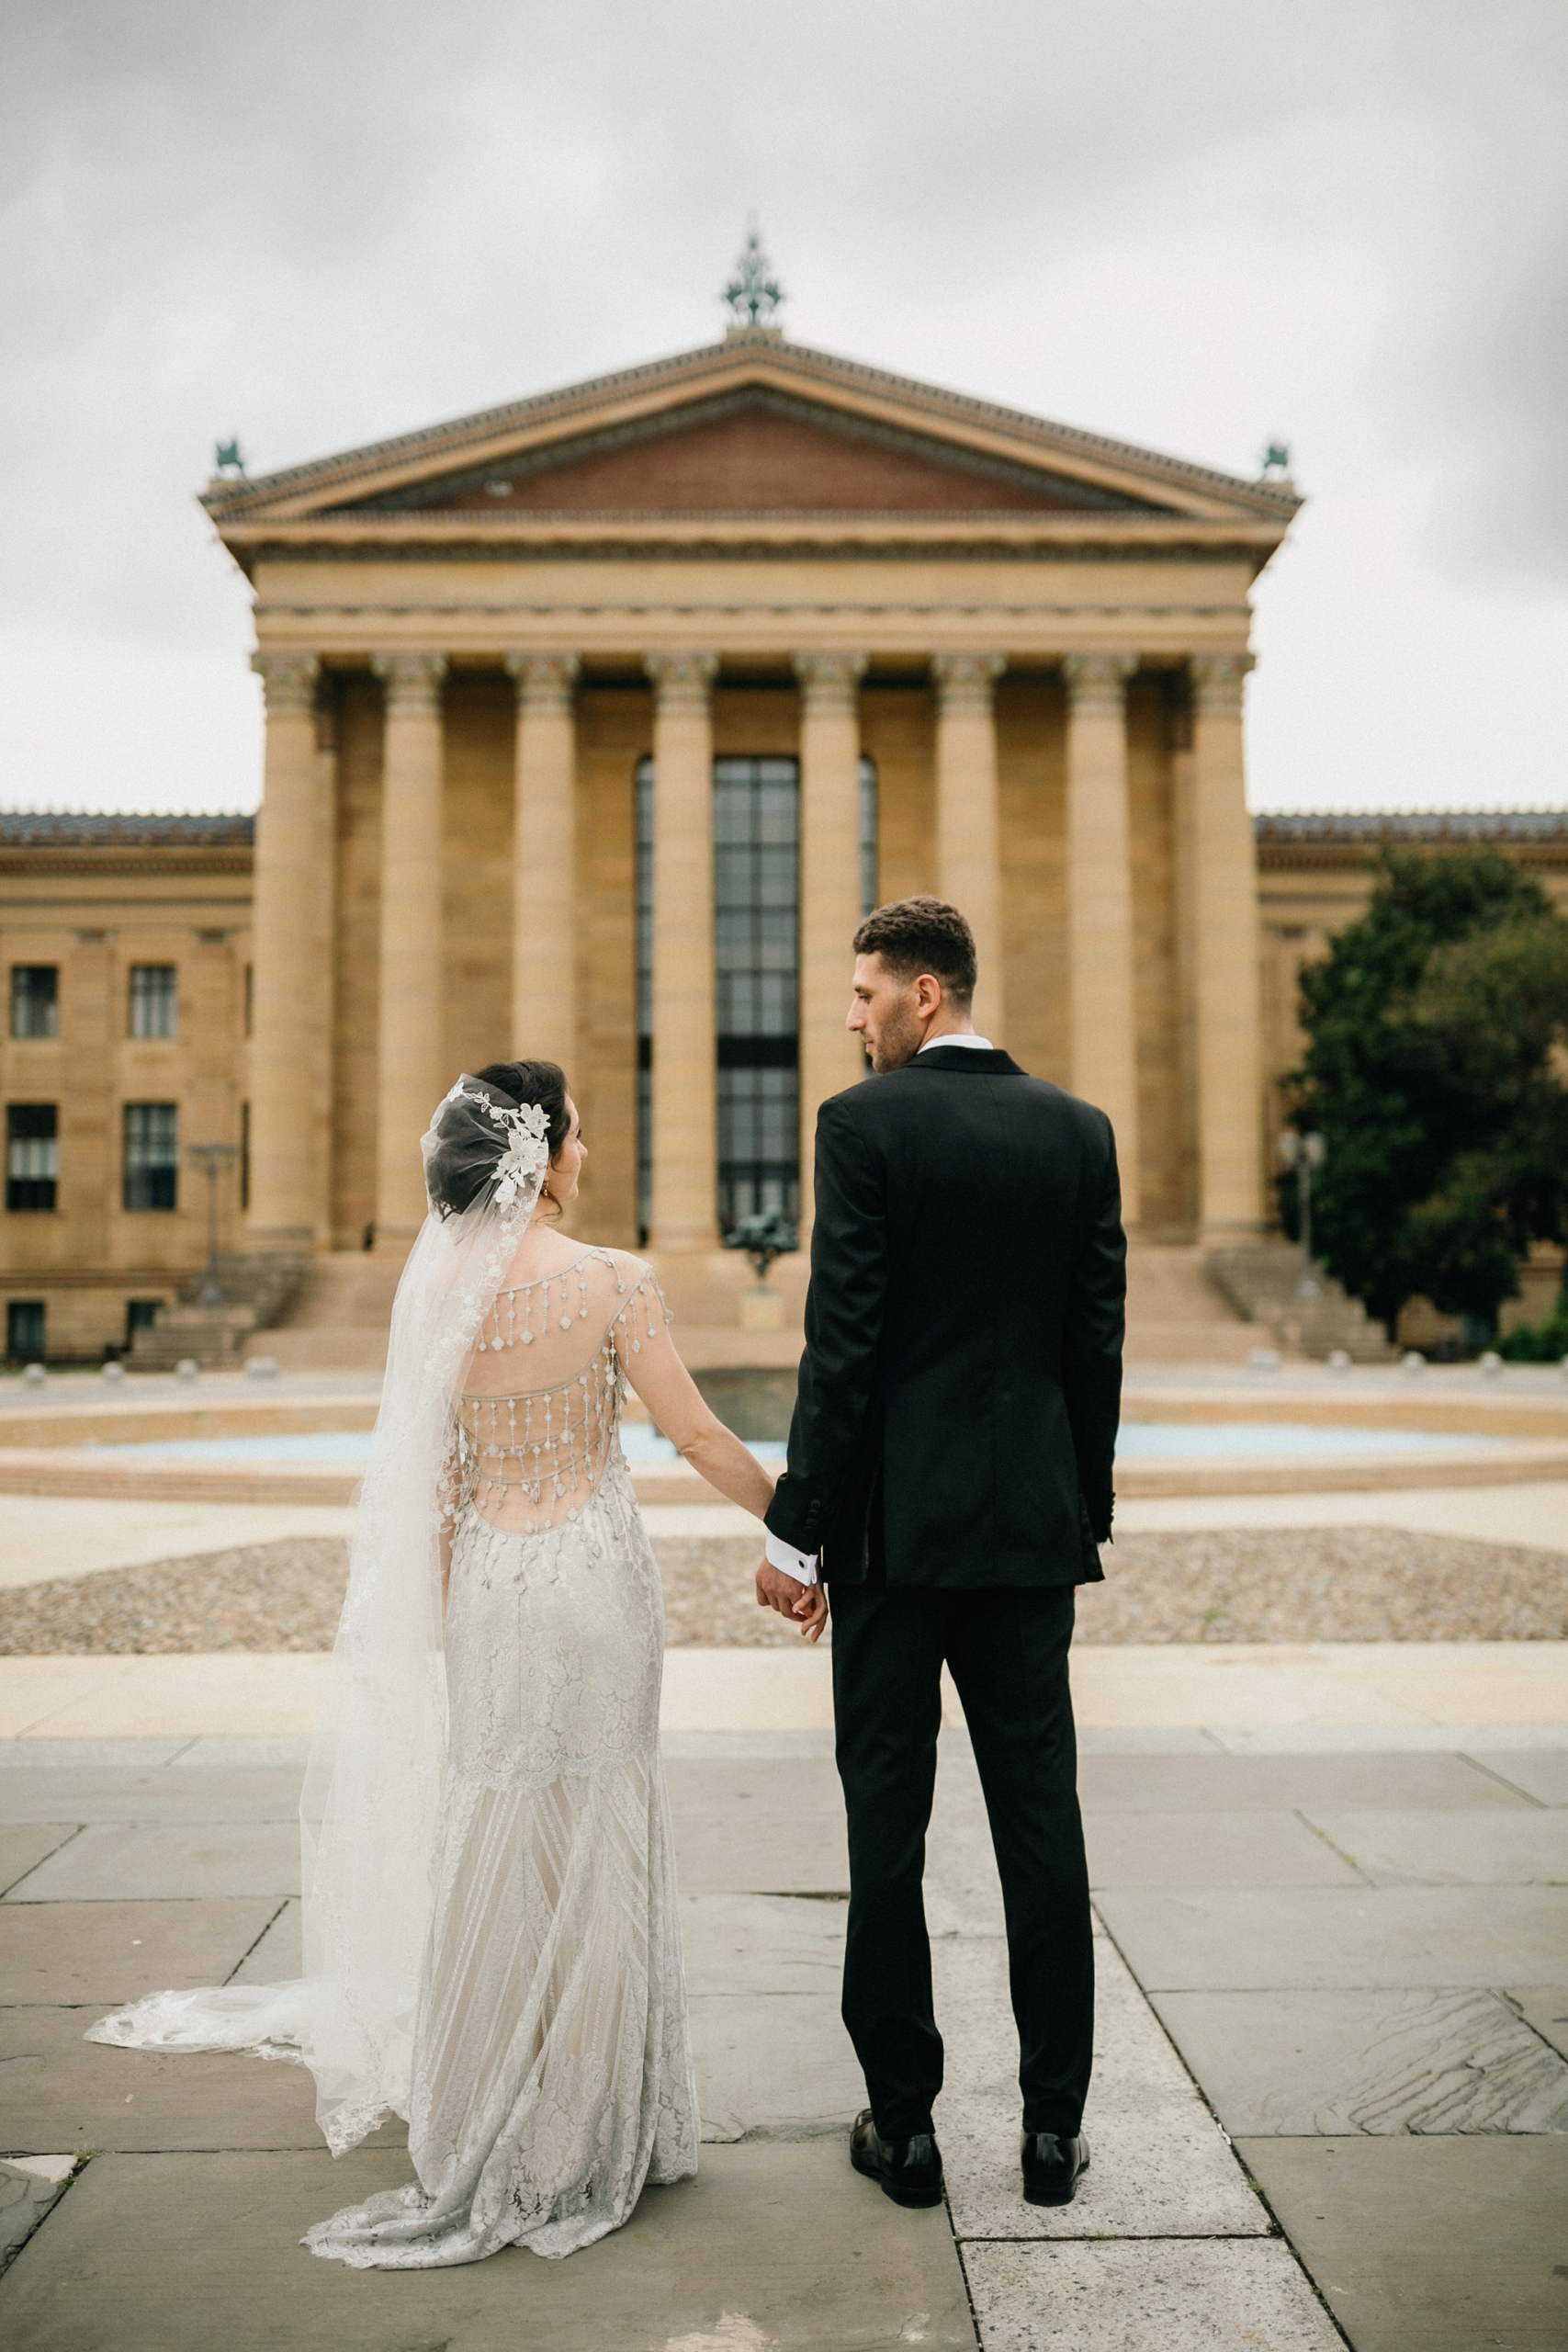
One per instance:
(1215,885)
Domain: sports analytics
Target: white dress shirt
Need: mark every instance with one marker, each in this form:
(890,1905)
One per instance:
(802,1566)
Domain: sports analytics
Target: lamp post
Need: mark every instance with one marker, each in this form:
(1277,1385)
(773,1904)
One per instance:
(1304,1153)
(214,1158)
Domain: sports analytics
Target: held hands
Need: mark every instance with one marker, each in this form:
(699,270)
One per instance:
(805,1605)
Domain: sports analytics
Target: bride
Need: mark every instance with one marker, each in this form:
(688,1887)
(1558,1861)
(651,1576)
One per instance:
(491,1945)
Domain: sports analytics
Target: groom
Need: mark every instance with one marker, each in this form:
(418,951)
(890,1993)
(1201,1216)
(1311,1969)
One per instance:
(950,1479)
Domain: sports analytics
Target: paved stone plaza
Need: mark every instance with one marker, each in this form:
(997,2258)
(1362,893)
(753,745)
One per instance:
(1360,1954)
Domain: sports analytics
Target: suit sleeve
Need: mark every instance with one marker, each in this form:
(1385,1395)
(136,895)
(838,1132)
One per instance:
(1096,1326)
(844,1310)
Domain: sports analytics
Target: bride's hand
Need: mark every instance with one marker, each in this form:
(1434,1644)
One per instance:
(805,1605)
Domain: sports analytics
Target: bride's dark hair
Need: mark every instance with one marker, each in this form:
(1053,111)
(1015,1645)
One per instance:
(456,1173)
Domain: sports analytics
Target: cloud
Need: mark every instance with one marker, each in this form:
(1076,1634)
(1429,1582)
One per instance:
(1197,227)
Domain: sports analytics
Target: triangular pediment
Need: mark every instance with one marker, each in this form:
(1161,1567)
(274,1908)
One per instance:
(752,451)
(752,426)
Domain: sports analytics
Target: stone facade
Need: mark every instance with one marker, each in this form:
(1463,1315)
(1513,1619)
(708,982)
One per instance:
(472,641)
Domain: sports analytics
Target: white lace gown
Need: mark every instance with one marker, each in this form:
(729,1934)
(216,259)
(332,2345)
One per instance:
(552,2073)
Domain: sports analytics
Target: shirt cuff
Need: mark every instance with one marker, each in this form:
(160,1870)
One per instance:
(801,1566)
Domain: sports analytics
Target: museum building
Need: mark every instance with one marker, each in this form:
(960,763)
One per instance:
(595,723)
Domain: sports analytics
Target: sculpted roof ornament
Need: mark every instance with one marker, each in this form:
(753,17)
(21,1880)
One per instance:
(753,294)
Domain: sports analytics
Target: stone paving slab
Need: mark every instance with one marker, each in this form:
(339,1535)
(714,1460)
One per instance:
(773,2245)
(1213,1849)
(1544,2009)
(1286,1782)
(63,2092)
(1180,2295)
(1217,1938)
(773,2066)
(1427,2245)
(763,1827)
(1300,2063)
(1452,1849)
(104,1755)
(752,1944)
(81,1792)
(280,1955)
(1158,2166)
(24,1844)
(113,1952)
(1542,1773)
(127,1861)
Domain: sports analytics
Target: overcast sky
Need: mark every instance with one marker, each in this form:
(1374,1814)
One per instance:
(1195,225)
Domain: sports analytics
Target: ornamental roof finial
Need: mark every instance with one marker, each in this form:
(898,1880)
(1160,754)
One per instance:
(753,294)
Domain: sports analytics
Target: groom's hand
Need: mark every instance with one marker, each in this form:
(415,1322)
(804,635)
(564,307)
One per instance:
(805,1605)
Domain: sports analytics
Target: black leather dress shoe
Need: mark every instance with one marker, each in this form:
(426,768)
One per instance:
(1052,2166)
(910,2170)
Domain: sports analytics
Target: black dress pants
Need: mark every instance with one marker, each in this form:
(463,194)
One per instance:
(1007,1649)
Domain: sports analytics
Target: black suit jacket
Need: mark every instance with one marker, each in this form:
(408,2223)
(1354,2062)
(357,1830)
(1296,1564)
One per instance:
(962,1380)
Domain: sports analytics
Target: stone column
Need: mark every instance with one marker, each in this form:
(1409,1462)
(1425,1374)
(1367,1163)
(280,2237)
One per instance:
(543,860)
(685,1075)
(968,831)
(1226,988)
(412,1078)
(830,1056)
(285,1015)
(1104,1020)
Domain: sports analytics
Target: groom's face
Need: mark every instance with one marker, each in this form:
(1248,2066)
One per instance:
(886,1012)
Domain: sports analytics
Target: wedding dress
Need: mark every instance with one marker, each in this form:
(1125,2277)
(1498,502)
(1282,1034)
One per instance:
(529,2019)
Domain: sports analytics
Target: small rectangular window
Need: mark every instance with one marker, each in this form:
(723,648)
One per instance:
(33,1156)
(25,1330)
(140,1313)
(154,1000)
(34,1000)
(151,1155)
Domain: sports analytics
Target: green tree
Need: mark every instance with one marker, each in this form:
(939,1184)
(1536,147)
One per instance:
(1435,1069)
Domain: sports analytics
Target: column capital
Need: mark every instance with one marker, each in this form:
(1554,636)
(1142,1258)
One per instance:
(681,677)
(1097,680)
(544,681)
(412,679)
(829,681)
(288,680)
(966,680)
(1219,680)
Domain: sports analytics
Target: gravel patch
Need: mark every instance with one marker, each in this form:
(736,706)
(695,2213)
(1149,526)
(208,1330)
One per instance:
(1339,1584)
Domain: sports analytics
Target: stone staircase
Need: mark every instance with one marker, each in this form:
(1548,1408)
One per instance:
(1260,1284)
(256,1288)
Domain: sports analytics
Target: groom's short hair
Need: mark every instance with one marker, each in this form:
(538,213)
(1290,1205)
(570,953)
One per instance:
(916,935)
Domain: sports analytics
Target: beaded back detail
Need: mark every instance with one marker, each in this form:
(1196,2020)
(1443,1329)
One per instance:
(530,1459)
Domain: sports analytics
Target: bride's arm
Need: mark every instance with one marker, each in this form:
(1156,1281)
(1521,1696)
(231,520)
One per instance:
(676,1402)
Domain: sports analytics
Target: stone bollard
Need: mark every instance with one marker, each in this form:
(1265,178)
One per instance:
(261,1367)
(1491,1364)
(186,1369)
(35,1376)
(114,1370)
(1263,1360)
(1340,1361)
(1412,1362)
